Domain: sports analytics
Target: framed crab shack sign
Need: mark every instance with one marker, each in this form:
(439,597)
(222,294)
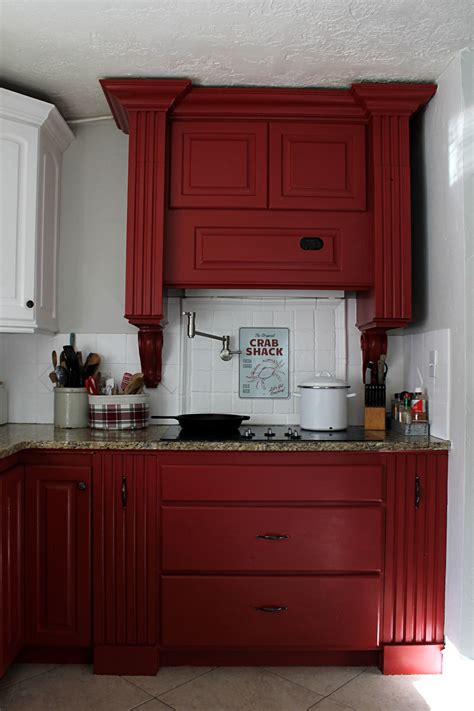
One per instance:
(264,363)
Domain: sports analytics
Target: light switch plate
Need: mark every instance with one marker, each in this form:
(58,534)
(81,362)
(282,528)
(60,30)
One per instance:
(432,361)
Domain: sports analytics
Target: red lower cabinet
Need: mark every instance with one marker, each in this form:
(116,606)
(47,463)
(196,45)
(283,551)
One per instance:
(11,566)
(126,560)
(58,551)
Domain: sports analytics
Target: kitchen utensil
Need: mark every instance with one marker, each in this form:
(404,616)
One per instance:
(125,381)
(206,423)
(91,365)
(62,375)
(382,369)
(72,365)
(53,377)
(91,385)
(54,359)
(324,403)
(135,384)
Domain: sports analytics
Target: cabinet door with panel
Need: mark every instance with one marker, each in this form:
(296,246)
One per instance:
(219,164)
(58,550)
(11,566)
(317,166)
(126,554)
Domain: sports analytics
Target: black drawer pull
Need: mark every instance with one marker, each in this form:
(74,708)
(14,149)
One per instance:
(123,490)
(312,243)
(272,537)
(279,608)
(417,492)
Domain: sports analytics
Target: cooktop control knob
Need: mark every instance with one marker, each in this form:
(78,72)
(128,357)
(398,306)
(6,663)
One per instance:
(295,435)
(289,433)
(248,434)
(269,432)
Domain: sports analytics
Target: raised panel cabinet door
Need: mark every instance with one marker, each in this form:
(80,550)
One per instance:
(11,566)
(58,551)
(316,166)
(126,555)
(18,186)
(219,164)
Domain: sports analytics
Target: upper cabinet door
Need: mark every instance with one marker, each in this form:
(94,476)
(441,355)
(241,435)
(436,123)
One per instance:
(220,165)
(317,166)
(18,185)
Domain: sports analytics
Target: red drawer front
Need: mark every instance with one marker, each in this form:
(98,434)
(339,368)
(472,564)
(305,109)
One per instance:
(330,612)
(219,164)
(271,483)
(317,166)
(266,248)
(319,539)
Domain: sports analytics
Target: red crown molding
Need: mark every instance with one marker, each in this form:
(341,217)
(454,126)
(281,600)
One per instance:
(124,95)
(393,98)
(231,102)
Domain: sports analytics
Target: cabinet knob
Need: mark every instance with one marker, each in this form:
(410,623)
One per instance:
(30,303)
(81,485)
(311,243)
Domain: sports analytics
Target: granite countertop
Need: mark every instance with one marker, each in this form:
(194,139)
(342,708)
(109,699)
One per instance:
(17,437)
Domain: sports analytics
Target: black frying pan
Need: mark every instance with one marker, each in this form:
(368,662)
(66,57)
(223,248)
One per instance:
(206,423)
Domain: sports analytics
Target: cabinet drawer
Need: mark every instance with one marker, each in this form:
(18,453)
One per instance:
(317,166)
(330,538)
(219,164)
(327,612)
(227,482)
(268,248)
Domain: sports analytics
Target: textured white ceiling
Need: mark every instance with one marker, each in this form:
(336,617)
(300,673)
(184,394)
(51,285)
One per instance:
(59,48)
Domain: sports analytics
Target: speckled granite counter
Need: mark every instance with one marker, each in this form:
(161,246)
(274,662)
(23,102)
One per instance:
(17,437)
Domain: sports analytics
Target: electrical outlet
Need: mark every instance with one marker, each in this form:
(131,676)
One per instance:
(432,361)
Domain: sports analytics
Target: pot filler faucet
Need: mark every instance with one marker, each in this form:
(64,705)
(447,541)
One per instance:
(226,353)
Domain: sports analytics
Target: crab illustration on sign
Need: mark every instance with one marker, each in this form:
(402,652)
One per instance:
(268,369)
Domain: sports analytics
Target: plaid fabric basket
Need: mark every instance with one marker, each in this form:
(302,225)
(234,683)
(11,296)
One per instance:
(119,412)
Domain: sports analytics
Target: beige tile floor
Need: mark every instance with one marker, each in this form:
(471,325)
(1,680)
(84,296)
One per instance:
(47,687)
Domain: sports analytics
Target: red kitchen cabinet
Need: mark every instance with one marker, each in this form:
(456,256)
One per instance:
(219,165)
(126,559)
(58,551)
(11,565)
(257,171)
(318,166)
(247,248)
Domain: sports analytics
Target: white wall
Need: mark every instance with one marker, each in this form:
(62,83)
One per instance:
(443,298)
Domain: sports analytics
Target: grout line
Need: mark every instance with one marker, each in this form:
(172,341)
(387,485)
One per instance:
(133,708)
(268,669)
(159,698)
(22,681)
(338,688)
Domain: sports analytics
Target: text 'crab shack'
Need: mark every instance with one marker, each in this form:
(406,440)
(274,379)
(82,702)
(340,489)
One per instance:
(264,347)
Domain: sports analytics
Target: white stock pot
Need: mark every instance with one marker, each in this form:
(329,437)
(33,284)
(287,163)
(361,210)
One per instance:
(324,403)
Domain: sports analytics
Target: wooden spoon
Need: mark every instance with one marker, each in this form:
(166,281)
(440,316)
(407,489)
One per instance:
(135,385)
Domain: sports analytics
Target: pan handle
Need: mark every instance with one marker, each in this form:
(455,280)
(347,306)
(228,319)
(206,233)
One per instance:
(164,417)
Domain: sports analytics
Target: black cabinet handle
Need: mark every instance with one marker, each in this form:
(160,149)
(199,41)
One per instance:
(279,608)
(311,243)
(81,485)
(417,492)
(124,492)
(272,537)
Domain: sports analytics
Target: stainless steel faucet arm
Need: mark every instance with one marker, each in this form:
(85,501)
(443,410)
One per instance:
(226,353)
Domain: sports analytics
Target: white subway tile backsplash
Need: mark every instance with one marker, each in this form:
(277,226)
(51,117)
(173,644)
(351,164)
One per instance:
(112,347)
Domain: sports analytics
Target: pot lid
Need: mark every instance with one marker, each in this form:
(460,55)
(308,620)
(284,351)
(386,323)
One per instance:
(324,380)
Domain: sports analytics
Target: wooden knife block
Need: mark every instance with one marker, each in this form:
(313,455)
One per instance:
(374,418)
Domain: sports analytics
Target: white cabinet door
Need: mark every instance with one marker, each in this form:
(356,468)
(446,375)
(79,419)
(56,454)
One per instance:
(18,192)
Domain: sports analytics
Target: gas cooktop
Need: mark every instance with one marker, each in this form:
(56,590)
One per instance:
(274,433)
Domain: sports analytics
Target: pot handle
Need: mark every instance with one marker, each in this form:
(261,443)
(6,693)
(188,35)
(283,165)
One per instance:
(351,395)
(324,372)
(295,394)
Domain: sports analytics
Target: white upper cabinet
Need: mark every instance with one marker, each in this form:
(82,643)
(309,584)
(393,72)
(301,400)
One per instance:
(33,136)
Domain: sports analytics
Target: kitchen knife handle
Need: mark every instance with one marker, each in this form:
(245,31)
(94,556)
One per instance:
(272,537)
(123,490)
(278,608)
(417,492)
